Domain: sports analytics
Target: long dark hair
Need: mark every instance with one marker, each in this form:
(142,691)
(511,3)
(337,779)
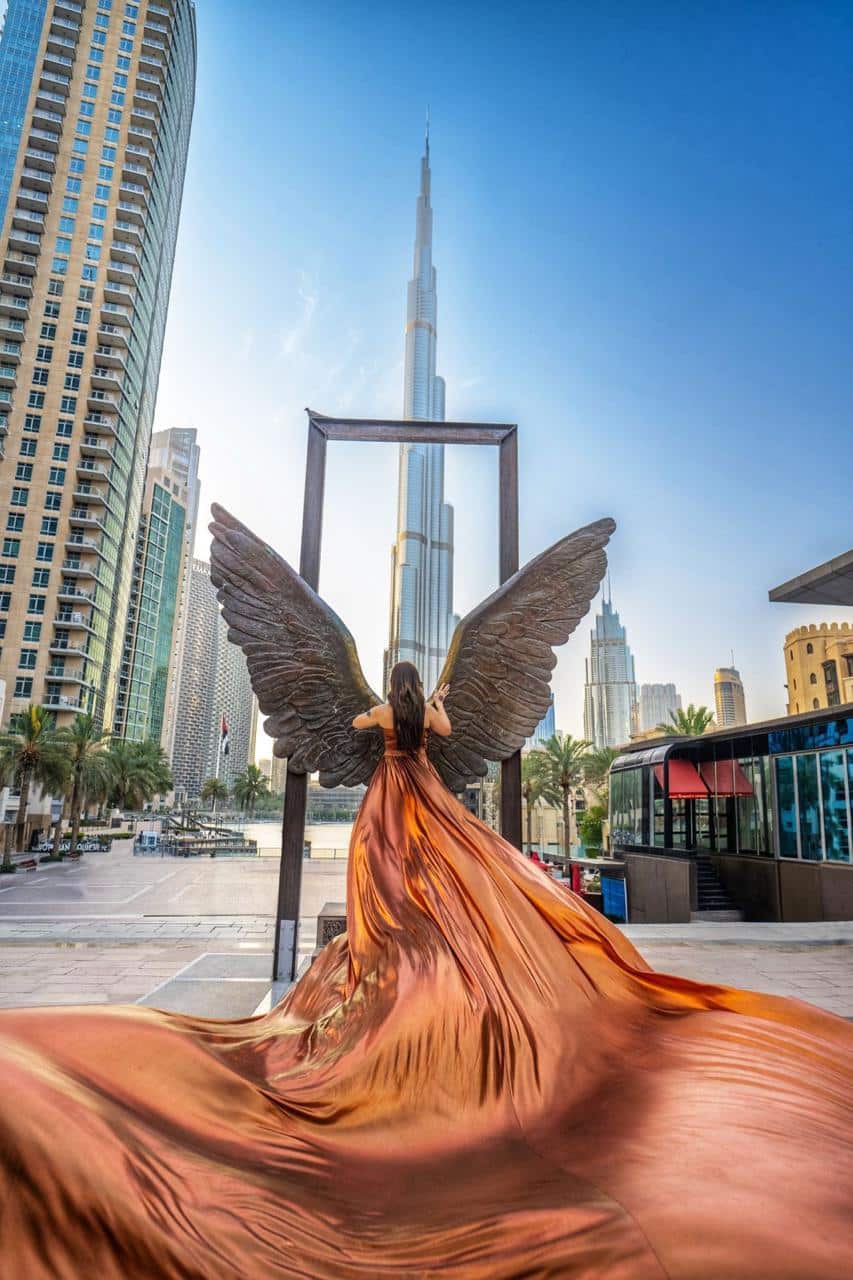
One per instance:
(406,696)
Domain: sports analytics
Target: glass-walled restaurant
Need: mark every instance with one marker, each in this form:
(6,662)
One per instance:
(767,806)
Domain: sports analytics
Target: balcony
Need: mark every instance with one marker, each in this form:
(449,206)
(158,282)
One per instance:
(67,592)
(137,192)
(112,357)
(107,379)
(38,159)
(30,199)
(57,61)
(57,41)
(73,620)
(8,375)
(112,333)
(127,250)
(134,211)
(98,423)
(86,492)
(119,293)
(116,313)
(150,101)
(65,649)
(101,400)
(82,517)
(95,446)
(26,263)
(56,83)
(10,351)
(28,241)
(137,130)
(38,179)
(61,703)
(18,283)
(68,6)
(76,567)
(12,306)
(46,139)
(65,24)
(10,327)
(77,542)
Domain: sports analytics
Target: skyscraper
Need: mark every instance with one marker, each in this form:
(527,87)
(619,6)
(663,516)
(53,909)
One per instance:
(176,450)
(214,684)
(19,45)
(88,240)
(545,729)
(657,703)
(169,505)
(729,697)
(422,618)
(610,694)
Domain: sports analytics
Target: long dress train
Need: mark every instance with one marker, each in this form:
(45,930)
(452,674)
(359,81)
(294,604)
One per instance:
(482,1079)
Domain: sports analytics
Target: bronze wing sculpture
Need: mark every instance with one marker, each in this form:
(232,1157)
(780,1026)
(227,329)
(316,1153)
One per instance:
(309,683)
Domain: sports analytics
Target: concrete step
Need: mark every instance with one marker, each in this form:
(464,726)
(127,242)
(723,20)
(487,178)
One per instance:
(715,914)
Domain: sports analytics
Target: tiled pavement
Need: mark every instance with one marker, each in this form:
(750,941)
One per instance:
(114,928)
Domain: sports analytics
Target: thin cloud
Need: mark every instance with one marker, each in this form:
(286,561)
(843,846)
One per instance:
(292,338)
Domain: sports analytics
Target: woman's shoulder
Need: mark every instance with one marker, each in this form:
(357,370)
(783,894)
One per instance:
(384,715)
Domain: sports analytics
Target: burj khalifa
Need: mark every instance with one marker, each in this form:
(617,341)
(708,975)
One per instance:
(422,618)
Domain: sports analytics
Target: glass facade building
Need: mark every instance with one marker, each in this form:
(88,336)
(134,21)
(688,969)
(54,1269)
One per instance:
(775,794)
(89,243)
(19,45)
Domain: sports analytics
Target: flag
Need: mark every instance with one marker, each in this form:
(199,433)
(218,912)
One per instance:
(223,738)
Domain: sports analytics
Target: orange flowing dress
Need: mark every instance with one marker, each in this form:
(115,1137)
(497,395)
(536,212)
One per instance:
(481,1079)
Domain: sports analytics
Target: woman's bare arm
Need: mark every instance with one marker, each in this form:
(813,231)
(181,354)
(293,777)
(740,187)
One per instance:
(437,719)
(373,718)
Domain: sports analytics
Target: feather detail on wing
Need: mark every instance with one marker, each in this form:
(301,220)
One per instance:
(302,659)
(502,654)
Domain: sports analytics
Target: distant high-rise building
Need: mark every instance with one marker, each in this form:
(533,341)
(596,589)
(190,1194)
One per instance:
(422,618)
(729,697)
(819,666)
(545,729)
(278,774)
(214,684)
(169,503)
(177,449)
(657,704)
(610,693)
(96,109)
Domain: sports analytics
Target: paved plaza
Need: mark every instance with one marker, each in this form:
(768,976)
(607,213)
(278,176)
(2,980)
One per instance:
(196,935)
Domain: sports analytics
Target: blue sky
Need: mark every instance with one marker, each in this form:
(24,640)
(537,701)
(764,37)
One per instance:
(644,250)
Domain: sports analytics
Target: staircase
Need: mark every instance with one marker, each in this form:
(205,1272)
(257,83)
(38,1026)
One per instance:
(714,902)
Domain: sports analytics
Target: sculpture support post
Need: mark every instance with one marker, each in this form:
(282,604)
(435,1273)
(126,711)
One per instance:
(296,784)
(508,541)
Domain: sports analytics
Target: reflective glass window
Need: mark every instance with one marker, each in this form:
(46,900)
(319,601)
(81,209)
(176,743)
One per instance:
(836,818)
(809,808)
(787,806)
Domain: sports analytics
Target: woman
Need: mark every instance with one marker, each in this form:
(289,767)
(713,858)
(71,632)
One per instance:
(482,1079)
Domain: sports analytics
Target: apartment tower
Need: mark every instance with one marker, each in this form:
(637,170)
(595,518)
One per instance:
(169,509)
(658,704)
(88,240)
(729,698)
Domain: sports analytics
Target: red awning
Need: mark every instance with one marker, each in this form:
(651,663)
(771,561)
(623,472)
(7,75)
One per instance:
(684,781)
(730,779)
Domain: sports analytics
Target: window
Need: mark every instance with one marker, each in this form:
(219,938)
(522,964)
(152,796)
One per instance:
(24,471)
(28,448)
(848,659)
(102,19)
(82,315)
(120,80)
(35,400)
(60,452)
(20,497)
(56,475)
(102,192)
(7,573)
(830,679)
(55,288)
(80,146)
(45,353)
(11,547)
(90,91)
(123,64)
(72,382)
(75,359)
(93,252)
(40,377)
(64,427)
(5,601)
(27,660)
(90,271)
(76,165)
(59,265)
(51,309)
(105,171)
(35,604)
(68,404)
(49,526)
(96,54)
(14,522)
(131,11)
(23,688)
(32,631)
(73,185)
(107,152)
(79,336)
(128,28)
(85,294)
(52,501)
(44,551)
(810,647)
(113,116)
(41,577)
(70,204)
(84,127)
(32,422)
(126,46)
(99,211)
(117,98)
(87,108)
(94,73)
(47,331)
(67,225)
(812,678)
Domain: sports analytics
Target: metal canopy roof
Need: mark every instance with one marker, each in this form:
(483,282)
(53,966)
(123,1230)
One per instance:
(830,583)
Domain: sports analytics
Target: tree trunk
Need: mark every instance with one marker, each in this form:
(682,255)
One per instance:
(76,805)
(6,837)
(21,824)
(55,855)
(529,808)
(567,830)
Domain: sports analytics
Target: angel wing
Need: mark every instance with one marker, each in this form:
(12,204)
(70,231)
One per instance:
(502,654)
(302,659)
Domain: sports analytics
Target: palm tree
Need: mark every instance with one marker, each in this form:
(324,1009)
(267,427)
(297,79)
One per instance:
(85,744)
(249,787)
(532,787)
(597,771)
(691,723)
(563,767)
(214,789)
(137,771)
(30,752)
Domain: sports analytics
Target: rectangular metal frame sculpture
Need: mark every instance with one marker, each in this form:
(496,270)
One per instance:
(321,430)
